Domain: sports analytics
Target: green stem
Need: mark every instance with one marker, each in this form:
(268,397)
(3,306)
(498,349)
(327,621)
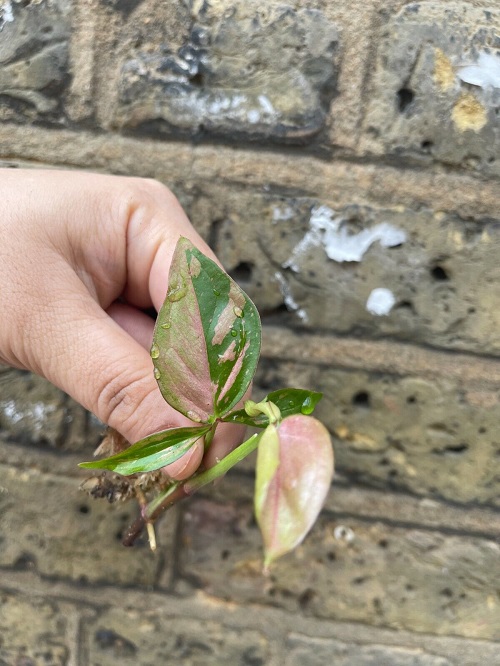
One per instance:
(178,491)
(223,466)
(156,502)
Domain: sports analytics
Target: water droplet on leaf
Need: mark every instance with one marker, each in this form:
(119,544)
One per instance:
(234,333)
(155,351)
(176,291)
(307,406)
(193,416)
(166,326)
(157,373)
(216,292)
(238,311)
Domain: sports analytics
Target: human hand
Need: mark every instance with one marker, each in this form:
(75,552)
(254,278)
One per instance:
(82,256)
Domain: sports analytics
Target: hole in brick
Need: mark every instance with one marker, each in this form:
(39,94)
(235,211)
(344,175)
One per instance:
(446,592)
(439,274)
(359,580)
(331,556)
(197,80)
(306,597)
(83,508)
(457,448)
(405,305)
(427,146)
(405,98)
(471,311)
(411,400)
(361,399)
(383,543)
(225,554)
(242,272)
(482,430)
(25,562)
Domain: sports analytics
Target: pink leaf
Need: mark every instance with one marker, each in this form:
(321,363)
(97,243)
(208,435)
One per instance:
(294,473)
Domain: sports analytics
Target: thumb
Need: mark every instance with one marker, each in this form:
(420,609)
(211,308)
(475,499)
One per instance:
(105,369)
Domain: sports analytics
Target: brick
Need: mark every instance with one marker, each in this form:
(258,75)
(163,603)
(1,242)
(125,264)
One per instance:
(50,526)
(424,102)
(34,631)
(220,74)
(418,434)
(381,575)
(34,50)
(323,263)
(145,637)
(303,651)
(33,412)
(202,169)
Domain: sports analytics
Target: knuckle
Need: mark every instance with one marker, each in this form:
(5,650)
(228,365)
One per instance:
(120,397)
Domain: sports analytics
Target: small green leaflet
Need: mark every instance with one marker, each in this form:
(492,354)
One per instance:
(152,452)
(207,337)
(289,401)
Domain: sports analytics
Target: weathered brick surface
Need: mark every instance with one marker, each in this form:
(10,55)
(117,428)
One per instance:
(34,56)
(34,631)
(34,412)
(400,100)
(50,526)
(220,74)
(142,637)
(368,572)
(431,436)
(426,102)
(301,650)
(323,262)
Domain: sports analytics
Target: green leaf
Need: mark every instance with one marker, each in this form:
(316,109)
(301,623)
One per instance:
(294,473)
(288,400)
(152,452)
(207,338)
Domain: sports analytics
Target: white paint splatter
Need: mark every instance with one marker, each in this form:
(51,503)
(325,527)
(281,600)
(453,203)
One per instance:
(37,413)
(380,302)
(266,104)
(253,116)
(485,73)
(6,13)
(289,300)
(339,244)
(9,408)
(285,213)
(344,533)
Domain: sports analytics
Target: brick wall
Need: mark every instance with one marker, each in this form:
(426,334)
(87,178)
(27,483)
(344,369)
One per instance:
(325,150)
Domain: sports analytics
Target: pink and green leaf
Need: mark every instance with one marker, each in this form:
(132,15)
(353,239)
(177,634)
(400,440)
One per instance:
(207,338)
(290,494)
(152,452)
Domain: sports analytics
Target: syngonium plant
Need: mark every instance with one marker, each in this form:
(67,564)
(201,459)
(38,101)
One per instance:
(206,347)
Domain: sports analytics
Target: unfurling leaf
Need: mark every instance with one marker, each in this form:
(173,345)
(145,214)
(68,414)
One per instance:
(294,473)
(207,338)
(152,452)
(288,400)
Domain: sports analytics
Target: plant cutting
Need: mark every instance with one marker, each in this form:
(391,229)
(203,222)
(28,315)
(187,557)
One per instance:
(205,350)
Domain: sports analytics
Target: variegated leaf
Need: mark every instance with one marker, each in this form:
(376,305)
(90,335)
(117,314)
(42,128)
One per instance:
(207,338)
(294,473)
(152,452)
